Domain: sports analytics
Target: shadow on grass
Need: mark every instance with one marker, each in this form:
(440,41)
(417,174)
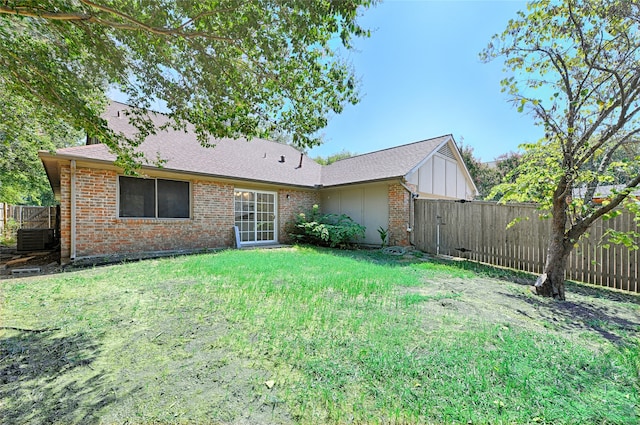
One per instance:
(369,254)
(599,308)
(485,270)
(46,378)
(583,316)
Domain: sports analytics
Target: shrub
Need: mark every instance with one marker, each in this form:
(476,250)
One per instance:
(384,234)
(333,230)
(8,234)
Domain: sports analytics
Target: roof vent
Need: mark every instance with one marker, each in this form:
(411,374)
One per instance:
(281,159)
(446,151)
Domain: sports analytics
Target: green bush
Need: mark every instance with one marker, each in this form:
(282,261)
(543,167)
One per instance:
(333,230)
(8,234)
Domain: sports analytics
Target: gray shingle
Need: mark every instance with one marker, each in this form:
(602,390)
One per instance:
(257,160)
(389,163)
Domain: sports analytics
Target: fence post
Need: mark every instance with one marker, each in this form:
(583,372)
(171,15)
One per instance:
(524,245)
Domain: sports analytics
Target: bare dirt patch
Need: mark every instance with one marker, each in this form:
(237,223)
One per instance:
(33,263)
(180,341)
(588,310)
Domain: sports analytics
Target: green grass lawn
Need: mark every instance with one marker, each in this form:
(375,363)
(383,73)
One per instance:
(304,335)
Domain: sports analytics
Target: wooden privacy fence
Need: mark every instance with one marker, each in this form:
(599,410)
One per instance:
(478,231)
(27,217)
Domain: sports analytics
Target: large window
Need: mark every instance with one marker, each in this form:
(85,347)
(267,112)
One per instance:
(153,198)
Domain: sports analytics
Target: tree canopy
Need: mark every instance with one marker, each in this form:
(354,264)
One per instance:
(223,68)
(487,176)
(575,66)
(23,131)
(330,159)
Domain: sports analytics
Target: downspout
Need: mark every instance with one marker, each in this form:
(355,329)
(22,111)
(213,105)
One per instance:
(72,192)
(411,214)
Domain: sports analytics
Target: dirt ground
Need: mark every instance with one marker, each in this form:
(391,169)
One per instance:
(30,263)
(609,313)
(590,314)
(588,309)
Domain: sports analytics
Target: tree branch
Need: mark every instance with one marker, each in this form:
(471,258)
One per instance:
(606,161)
(580,227)
(37,13)
(623,118)
(133,24)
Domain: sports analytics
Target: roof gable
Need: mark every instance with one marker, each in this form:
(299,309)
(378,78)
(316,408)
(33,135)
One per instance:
(256,160)
(384,164)
(449,149)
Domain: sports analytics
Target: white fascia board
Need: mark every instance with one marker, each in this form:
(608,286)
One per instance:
(426,158)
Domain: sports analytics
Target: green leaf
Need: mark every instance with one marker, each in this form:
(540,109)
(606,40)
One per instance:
(228,69)
(590,53)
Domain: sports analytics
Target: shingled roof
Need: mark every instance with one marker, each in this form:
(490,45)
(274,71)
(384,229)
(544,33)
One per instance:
(386,164)
(256,160)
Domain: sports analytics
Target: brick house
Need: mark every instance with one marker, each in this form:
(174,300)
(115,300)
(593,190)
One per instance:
(194,200)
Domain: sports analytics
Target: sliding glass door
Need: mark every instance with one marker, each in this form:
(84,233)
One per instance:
(255,216)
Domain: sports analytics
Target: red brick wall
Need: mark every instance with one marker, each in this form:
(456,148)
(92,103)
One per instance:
(99,231)
(399,215)
(298,201)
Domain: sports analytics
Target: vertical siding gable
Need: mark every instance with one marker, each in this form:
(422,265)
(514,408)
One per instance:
(451,174)
(443,174)
(439,175)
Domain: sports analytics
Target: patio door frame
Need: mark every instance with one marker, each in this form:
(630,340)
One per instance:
(252,225)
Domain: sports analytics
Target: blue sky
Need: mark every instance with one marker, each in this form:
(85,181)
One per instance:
(421,77)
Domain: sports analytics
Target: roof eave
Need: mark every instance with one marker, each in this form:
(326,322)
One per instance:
(48,157)
(50,164)
(449,138)
(351,183)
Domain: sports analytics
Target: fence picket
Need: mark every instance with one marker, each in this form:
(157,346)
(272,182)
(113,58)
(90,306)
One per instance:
(27,217)
(481,228)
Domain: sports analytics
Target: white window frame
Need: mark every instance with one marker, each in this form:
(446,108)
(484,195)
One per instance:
(255,230)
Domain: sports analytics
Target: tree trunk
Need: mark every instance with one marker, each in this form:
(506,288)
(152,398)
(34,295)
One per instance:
(551,282)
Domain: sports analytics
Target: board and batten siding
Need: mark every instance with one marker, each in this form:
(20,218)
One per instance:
(367,205)
(441,177)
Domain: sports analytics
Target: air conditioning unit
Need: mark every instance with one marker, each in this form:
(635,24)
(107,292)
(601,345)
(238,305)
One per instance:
(35,239)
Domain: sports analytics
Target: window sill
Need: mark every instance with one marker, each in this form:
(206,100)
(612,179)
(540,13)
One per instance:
(136,220)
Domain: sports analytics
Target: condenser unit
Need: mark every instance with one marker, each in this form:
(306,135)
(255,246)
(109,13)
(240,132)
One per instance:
(35,239)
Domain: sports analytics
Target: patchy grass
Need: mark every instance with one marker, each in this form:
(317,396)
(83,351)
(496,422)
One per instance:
(311,336)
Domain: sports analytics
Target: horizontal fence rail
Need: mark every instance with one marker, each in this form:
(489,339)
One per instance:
(478,231)
(13,217)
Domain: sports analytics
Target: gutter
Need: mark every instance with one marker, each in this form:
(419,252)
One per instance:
(380,180)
